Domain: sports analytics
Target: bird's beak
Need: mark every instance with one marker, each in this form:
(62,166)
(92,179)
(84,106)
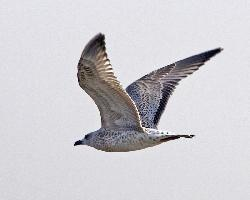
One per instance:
(79,142)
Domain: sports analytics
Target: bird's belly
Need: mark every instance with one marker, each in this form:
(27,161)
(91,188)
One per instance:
(126,141)
(127,147)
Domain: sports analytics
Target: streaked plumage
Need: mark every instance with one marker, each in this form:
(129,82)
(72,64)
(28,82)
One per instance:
(129,118)
(151,92)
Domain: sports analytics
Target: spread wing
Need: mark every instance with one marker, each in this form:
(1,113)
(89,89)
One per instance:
(151,92)
(96,77)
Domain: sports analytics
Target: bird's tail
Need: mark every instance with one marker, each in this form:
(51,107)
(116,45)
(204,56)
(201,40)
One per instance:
(174,137)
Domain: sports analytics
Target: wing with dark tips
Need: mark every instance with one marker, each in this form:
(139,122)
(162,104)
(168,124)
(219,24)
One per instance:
(97,79)
(151,92)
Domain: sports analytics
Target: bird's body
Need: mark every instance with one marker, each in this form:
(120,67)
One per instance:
(130,117)
(128,140)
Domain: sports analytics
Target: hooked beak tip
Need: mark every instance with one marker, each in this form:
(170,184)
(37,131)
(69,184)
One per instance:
(79,142)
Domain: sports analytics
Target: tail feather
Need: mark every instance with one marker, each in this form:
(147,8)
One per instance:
(174,137)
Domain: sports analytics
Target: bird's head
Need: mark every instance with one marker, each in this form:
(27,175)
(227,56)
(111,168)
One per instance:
(85,141)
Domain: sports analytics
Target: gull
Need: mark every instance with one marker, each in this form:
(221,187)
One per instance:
(129,118)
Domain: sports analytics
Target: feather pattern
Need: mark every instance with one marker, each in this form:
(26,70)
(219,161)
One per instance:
(96,77)
(151,92)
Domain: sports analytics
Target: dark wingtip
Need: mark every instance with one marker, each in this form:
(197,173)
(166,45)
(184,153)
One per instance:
(97,41)
(199,59)
(214,51)
(99,36)
(207,55)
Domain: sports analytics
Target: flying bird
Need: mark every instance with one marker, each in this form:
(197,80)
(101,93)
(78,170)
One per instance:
(129,118)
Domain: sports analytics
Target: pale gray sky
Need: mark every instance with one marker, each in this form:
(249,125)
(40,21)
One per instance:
(44,111)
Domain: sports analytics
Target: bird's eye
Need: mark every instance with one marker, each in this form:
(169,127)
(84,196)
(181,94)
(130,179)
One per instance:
(87,137)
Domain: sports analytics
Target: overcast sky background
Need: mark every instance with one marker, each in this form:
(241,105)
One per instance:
(44,111)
